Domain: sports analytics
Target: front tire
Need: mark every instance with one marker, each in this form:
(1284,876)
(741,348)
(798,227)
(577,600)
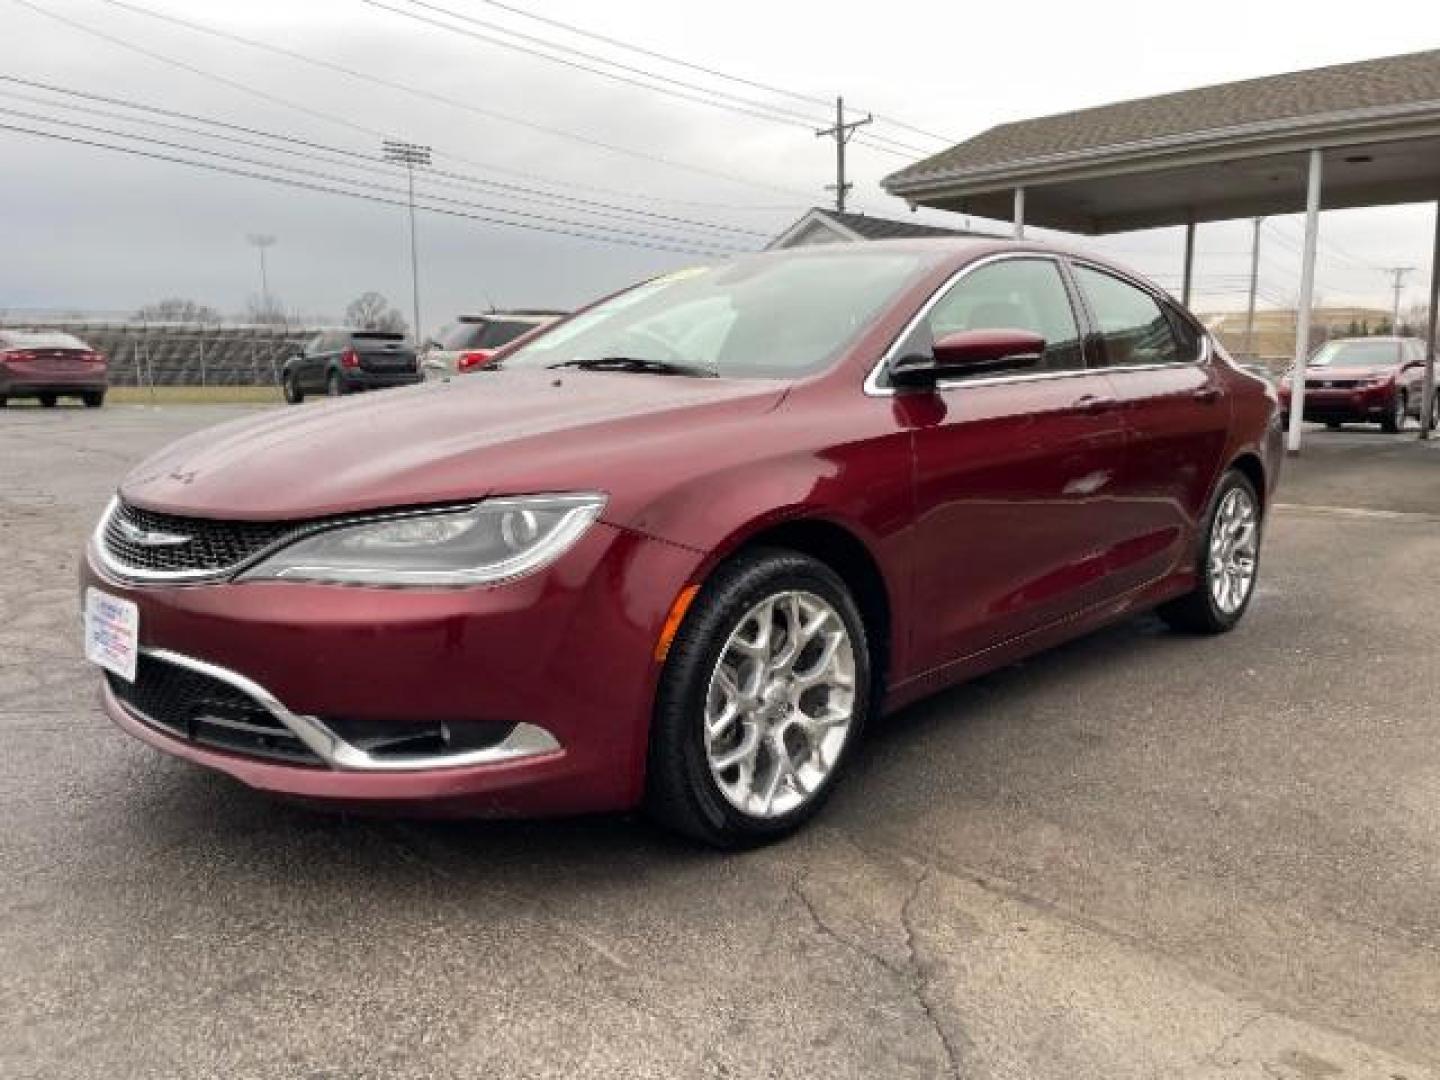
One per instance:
(1399,415)
(47,401)
(765,689)
(93,401)
(1227,563)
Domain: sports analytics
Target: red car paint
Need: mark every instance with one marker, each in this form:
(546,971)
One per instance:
(1002,518)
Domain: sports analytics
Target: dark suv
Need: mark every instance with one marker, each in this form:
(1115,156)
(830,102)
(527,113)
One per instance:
(336,362)
(1373,380)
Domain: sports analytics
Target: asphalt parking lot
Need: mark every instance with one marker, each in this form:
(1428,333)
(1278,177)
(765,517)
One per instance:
(1142,855)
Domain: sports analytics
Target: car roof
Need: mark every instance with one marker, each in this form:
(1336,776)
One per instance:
(525,315)
(41,339)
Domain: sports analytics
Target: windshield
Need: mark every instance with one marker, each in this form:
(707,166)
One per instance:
(759,316)
(1359,354)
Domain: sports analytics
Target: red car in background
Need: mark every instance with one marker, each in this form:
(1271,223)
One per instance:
(711,528)
(1369,380)
(49,366)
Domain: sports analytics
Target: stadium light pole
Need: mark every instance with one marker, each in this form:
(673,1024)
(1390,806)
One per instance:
(261,241)
(410,155)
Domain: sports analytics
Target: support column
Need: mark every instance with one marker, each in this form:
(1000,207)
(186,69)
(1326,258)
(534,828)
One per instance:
(1189,262)
(1427,404)
(1303,314)
(1019,215)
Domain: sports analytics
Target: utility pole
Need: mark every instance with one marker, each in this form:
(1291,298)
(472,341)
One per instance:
(410,155)
(842,133)
(1398,273)
(261,241)
(1248,351)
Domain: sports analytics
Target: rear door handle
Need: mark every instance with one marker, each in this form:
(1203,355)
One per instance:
(1093,405)
(1207,395)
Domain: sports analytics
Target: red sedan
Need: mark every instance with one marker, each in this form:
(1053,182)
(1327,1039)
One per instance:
(1376,380)
(679,549)
(49,366)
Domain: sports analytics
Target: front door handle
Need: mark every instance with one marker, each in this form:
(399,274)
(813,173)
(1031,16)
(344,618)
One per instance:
(1093,405)
(1207,395)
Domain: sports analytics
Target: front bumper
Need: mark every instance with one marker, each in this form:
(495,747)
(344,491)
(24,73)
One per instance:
(1355,406)
(567,652)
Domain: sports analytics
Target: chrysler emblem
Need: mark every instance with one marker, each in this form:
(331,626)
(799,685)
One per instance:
(149,537)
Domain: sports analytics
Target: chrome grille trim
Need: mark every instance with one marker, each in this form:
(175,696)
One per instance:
(186,550)
(523,741)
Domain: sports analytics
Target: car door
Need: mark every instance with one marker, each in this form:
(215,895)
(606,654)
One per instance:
(1012,472)
(1176,413)
(1412,377)
(317,365)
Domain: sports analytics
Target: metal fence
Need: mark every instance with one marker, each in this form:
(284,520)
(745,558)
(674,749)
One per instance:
(183,354)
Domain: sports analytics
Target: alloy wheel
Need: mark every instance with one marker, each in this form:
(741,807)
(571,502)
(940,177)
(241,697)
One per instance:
(1234,548)
(780,704)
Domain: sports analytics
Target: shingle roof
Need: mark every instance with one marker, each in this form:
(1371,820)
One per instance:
(1391,81)
(879,228)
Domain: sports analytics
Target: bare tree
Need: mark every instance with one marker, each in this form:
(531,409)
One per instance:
(265,311)
(371,311)
(1416,320)
(178,309)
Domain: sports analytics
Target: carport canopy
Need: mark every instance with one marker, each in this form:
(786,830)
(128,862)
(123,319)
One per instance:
(1360,134)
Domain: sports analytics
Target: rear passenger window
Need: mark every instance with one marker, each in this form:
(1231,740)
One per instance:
(502,333)
(1135,329)
(1014,294)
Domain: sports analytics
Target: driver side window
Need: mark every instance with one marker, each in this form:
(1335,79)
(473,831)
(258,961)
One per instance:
(1014,294)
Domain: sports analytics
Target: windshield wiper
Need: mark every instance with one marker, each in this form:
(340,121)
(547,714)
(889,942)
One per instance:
(636,363)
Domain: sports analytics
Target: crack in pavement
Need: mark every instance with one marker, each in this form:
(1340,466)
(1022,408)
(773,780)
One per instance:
(1212,1056)
(920,982)
(912,973)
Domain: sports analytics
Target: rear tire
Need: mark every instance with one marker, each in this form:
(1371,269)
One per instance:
(1399,415)
(4,401)
(799,703)
(1332,425)
(1209,608)
(290,387)
(93,401)
(333,386)
(48,401)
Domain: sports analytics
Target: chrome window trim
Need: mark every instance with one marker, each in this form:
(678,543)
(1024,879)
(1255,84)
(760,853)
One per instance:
(524,740)
(872,385)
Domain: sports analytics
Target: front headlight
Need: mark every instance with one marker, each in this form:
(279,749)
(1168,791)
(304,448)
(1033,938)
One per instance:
(496,540)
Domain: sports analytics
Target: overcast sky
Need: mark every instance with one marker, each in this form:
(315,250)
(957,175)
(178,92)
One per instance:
(91,229)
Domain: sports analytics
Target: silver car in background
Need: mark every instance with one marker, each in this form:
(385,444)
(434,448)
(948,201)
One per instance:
(468,344)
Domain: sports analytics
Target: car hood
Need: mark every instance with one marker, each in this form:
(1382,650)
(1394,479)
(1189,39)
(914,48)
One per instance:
(496,432)
(1349,372)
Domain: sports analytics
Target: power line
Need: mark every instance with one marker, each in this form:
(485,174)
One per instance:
(369,78)
(695,244)
(678,62)
(716,99)
(349,158)
(621,237)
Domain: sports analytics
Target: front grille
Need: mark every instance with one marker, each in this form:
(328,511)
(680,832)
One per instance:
(186,545)
(207,711)
(1332,384)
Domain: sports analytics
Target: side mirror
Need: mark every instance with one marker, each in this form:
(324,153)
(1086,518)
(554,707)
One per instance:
(970,353)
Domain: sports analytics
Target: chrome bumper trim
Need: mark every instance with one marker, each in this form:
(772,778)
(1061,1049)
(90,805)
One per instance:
(524,740)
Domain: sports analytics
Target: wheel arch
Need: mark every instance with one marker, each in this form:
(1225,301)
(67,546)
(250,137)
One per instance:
(1250,466)
(846,553)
